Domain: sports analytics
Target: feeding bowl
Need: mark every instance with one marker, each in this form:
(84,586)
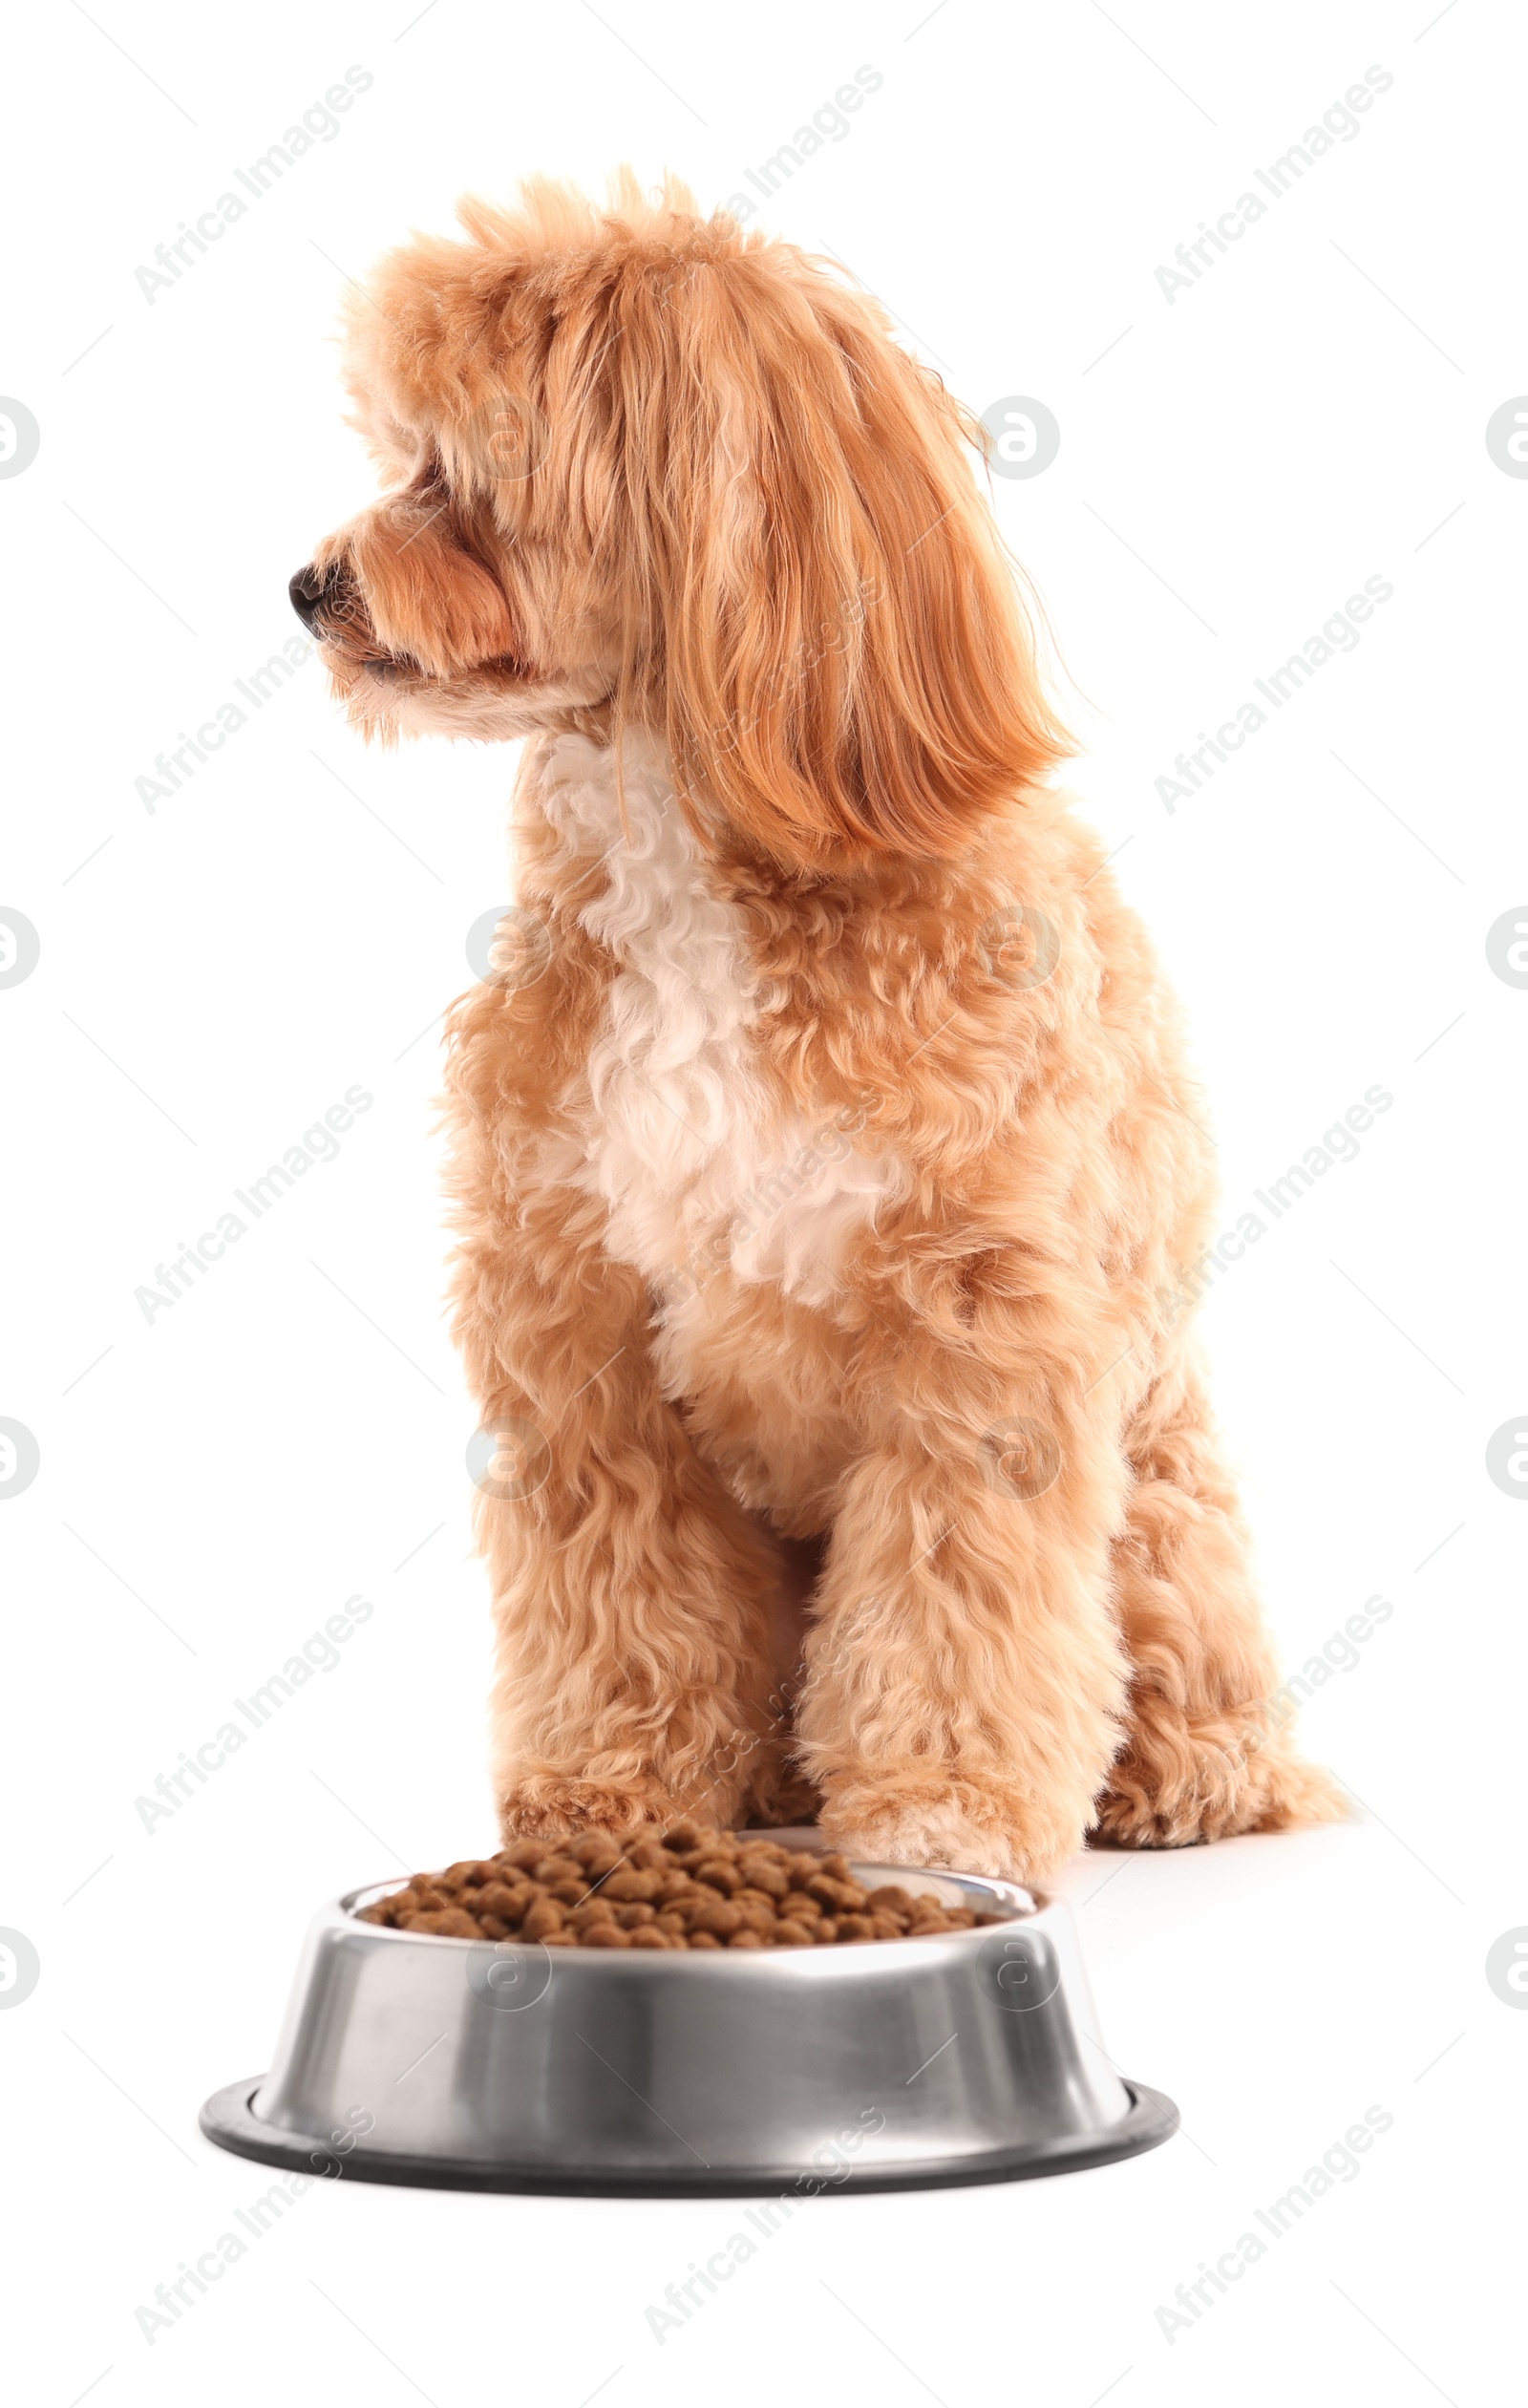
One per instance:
(965,2056)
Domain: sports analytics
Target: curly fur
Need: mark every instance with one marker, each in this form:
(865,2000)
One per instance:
(829,1190)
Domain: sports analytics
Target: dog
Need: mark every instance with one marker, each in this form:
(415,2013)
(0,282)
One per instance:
(829,1182)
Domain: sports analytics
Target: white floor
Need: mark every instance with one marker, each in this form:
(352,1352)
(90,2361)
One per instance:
(1281,1990)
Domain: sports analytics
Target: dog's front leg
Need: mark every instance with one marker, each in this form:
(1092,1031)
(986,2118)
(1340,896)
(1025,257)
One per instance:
(631,1593)
(965,1678)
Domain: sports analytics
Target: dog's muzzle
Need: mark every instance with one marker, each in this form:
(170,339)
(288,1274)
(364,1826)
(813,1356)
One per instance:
(311,588)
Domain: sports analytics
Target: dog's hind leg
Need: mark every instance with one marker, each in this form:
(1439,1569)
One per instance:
(1208,1749)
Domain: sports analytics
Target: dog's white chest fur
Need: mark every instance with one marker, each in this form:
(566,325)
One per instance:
(700,1169)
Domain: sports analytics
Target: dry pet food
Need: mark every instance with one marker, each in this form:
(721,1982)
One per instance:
(678,1886)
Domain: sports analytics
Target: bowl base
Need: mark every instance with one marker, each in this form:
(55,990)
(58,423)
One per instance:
(228,2119)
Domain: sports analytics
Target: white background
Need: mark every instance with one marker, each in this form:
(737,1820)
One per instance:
(214,975)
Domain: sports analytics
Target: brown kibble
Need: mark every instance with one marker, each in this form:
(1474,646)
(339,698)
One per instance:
(720,1916)
(595,1911)
(449,1922)
(824,1889)
(499,1898)
(628,1884)
(771,1878)
(596,1852)
(685,1887)
(558,1868)
(719,1872)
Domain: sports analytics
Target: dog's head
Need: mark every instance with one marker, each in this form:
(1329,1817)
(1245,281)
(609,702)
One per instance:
(643,458)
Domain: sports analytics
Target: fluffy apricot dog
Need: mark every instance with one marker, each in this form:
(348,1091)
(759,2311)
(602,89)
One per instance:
(829,1179)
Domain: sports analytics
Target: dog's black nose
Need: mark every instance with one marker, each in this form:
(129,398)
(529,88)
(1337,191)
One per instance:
(308,589)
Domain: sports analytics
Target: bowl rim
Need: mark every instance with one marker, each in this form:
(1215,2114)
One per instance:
(228,2120)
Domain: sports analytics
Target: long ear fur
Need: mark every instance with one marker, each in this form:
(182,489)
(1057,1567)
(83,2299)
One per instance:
(846,664)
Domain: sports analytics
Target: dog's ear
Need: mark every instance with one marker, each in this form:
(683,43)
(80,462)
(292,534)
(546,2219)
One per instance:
(847,667)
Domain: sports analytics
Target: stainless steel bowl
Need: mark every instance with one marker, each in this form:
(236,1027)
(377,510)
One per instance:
(968,2057)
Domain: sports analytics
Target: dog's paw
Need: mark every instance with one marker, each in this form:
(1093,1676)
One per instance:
(1174,1786)
(954,1824)
(554,1804)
